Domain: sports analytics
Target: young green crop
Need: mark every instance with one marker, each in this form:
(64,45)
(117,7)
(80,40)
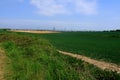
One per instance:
(98,45)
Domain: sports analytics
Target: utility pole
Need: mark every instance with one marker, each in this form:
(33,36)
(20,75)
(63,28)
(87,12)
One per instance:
(53,28)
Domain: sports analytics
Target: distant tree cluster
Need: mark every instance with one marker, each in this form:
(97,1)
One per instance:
(117,30)
(4,29)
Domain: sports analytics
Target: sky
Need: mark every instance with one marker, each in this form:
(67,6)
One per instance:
(60,14)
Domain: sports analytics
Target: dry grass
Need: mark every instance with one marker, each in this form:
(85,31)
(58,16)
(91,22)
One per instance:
(35,31)
(2,64)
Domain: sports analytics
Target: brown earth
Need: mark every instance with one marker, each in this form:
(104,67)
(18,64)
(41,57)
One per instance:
(100,64)
(35,31)
(2,64)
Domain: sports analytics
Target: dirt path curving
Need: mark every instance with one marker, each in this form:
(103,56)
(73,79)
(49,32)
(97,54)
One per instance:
(100,64)
(2,64)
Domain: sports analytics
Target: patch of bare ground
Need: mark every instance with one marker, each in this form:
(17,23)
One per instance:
(100,64)
(36,31)
(2,64)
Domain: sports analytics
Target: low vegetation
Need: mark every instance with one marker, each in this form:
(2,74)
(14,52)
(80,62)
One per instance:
(34,58)
(98,45)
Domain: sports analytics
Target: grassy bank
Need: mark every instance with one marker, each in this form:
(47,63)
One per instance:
(33,58)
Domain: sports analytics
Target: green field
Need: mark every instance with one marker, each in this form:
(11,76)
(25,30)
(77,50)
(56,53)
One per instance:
(31,57)
(98,45)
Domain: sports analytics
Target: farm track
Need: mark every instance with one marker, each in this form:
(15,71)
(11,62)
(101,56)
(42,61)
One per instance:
(2,64)
(34,31)
(100,64)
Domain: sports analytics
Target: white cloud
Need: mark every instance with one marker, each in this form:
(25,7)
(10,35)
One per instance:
(86,6)
(53,7)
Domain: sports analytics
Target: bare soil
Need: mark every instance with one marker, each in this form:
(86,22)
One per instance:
(2,64)
(35,31)
(100,64)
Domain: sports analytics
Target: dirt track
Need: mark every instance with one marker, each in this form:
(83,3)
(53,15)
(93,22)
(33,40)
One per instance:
(102,65)
(35,31)
(2,64)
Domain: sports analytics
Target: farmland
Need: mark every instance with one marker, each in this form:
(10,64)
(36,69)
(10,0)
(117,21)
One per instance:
(35,57)
(98,45)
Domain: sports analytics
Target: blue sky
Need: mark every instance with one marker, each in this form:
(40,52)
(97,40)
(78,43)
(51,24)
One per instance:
(61,14)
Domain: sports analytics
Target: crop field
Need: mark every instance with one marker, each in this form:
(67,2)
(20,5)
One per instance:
(98,45)
(35,57)
(60,40)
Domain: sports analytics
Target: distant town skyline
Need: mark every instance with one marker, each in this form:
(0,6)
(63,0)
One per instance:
(60,14)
